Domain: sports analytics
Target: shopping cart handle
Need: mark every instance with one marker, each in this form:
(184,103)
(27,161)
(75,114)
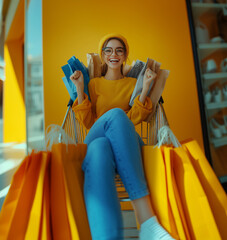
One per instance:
(70,103)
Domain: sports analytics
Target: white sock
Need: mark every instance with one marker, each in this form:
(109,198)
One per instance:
(152,230)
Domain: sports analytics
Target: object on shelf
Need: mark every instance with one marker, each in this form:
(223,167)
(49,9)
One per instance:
(207,97)
(217,95)
(224,65)
(209,66)
(220,117)
(225,120)
(217,39)
(224,91)
(202,34)
(218,124)
(218,92)
(218,142)
(221,126)
(222,23)
(216,132)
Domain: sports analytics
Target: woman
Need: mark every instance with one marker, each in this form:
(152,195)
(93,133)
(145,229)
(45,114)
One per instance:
(113,144)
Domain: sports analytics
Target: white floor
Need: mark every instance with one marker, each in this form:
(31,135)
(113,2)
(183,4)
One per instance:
(130,231)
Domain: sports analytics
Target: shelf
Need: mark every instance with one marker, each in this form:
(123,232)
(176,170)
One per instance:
(222,104)
(205,49)
(218,142)
(207,46)
(201,8)
(209,5)
(215,76)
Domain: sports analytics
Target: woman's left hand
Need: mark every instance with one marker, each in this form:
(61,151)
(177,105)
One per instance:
(149,76)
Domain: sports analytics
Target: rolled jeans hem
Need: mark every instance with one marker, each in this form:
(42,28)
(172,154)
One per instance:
(139,194)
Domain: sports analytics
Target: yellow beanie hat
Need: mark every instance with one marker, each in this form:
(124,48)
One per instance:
(113,35)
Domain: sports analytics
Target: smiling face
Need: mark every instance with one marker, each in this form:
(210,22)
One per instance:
(114,61)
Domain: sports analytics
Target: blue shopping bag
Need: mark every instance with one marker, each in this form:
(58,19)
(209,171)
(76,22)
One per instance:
(74,64)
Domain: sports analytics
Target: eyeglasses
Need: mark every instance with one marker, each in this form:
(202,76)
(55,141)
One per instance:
(120,51)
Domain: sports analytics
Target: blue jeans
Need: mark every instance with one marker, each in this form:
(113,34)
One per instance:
(113,147)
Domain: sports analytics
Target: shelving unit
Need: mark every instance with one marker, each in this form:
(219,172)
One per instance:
(205,50)
(206,13)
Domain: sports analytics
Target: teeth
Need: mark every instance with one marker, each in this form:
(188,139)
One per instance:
(114,60)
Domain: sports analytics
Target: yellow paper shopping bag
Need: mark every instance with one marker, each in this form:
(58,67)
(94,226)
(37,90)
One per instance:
(197,211)
(165,200)
(16,210)
(74,177)
(45,232)
(192,197)
(155,172)
(212,187)
(58,205)
(68,213)
(174,195)
(35,223)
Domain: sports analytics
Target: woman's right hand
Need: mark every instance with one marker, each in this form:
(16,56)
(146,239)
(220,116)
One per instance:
(78,79)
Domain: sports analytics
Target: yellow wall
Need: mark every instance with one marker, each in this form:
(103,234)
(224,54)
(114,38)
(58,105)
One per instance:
(155,29)
(13,95)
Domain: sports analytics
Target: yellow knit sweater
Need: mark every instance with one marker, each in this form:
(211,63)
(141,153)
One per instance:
(107,94)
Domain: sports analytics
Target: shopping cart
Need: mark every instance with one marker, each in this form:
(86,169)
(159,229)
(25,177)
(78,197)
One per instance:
(148,130)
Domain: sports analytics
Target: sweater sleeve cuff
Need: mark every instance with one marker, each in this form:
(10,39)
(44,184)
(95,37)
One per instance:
(84,105)
(147,104)
(75,103)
